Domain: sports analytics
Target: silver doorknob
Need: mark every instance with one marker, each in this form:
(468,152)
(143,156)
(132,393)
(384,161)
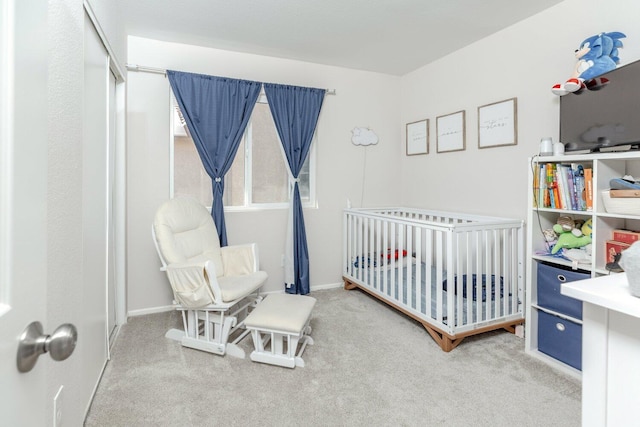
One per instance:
(33,343)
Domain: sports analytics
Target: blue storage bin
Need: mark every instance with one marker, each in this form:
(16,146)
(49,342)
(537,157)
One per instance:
(550,277)
(560,339)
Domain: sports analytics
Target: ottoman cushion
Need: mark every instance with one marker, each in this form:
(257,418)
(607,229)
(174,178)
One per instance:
(282,313)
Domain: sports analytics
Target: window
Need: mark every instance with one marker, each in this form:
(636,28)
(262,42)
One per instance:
(258,177)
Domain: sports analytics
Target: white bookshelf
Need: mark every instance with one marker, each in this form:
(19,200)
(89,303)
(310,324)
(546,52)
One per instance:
(605,166)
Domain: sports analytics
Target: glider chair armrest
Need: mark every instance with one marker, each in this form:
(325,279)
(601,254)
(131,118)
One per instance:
(194,285)
(209,267)
(239,260)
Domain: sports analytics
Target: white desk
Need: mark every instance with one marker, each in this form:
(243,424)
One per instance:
(610,350)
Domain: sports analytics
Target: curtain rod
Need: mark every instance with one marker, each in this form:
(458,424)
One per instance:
(144,69)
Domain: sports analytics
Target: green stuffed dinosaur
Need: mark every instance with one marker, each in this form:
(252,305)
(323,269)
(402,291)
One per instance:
(575,238)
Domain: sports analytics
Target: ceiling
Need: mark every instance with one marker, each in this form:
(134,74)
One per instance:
(387,36)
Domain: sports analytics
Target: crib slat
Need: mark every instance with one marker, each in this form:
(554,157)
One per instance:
(496,283)
(399,260)
(418,263)
(506,251)
(392,247)
(346,245)
(378,250)
(449,266)
(492,272)
(385,263)
(410,279)
(458,266)
(470,248)
(439,266)
(429,268)
(480,264)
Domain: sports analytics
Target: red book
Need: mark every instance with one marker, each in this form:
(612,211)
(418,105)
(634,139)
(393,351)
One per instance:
(626,236)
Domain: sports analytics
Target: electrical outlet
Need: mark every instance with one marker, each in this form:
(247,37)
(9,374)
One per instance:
(57,408)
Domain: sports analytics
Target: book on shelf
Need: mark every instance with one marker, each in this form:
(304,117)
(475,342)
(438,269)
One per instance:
(566,186)
(575,179)
(567,176)
(580,190)
(626,236)
(563,188)
(536,188)
(588,184)
(545,186)
(556,196)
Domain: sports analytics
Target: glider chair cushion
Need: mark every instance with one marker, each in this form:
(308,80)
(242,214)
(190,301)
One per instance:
(185,233)
(234,287)
(214,287)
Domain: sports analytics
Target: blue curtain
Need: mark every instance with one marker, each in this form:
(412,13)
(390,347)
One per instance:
(295,111)
(217,111)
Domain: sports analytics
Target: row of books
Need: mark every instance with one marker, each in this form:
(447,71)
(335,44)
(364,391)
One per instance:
(566,186)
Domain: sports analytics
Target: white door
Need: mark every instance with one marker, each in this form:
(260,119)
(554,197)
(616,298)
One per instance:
(23,192)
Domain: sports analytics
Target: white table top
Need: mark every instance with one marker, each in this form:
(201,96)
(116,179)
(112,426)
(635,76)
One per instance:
(611,292)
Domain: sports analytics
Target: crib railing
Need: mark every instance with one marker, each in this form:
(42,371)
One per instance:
(458,272)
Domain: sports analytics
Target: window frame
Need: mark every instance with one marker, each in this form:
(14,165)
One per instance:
(248,206)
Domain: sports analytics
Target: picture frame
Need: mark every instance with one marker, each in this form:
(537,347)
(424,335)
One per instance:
(498,124)
(417,137)
(451,132)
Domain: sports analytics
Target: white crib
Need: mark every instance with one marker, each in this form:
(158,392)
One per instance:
(456,274)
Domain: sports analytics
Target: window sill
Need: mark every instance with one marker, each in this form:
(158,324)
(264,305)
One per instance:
(265,207)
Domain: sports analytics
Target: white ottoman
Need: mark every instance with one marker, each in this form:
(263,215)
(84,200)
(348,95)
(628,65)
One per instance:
(283,321)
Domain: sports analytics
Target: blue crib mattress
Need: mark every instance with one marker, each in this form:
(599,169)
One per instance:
(474,279)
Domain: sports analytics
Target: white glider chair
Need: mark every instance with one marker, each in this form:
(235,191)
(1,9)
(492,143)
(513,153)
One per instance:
(214,287)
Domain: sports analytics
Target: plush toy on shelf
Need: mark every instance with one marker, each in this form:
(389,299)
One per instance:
(596,55)
(571,234)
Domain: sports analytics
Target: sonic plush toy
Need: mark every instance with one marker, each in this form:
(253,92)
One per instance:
(596,55)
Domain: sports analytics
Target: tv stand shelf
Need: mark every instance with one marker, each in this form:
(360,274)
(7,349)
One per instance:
(542,318)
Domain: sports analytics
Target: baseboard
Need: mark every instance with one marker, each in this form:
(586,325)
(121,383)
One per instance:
(162,309)
(327,286)
(312,288)
(151,310)
(95,389)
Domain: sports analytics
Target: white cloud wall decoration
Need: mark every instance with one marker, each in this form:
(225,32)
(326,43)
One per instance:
(363,136)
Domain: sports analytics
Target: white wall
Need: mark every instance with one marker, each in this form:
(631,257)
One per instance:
(64,201)
(522,61)
(363,99)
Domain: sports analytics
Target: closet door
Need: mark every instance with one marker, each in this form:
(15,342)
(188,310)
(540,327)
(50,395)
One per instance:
(95,203)
(111,228)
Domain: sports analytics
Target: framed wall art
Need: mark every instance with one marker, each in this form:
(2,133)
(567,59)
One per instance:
(497,124)
(418,137)
(450,132)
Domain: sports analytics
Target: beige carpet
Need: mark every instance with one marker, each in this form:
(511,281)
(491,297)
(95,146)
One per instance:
(370,366)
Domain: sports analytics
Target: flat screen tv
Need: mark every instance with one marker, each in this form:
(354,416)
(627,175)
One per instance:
(605,118)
